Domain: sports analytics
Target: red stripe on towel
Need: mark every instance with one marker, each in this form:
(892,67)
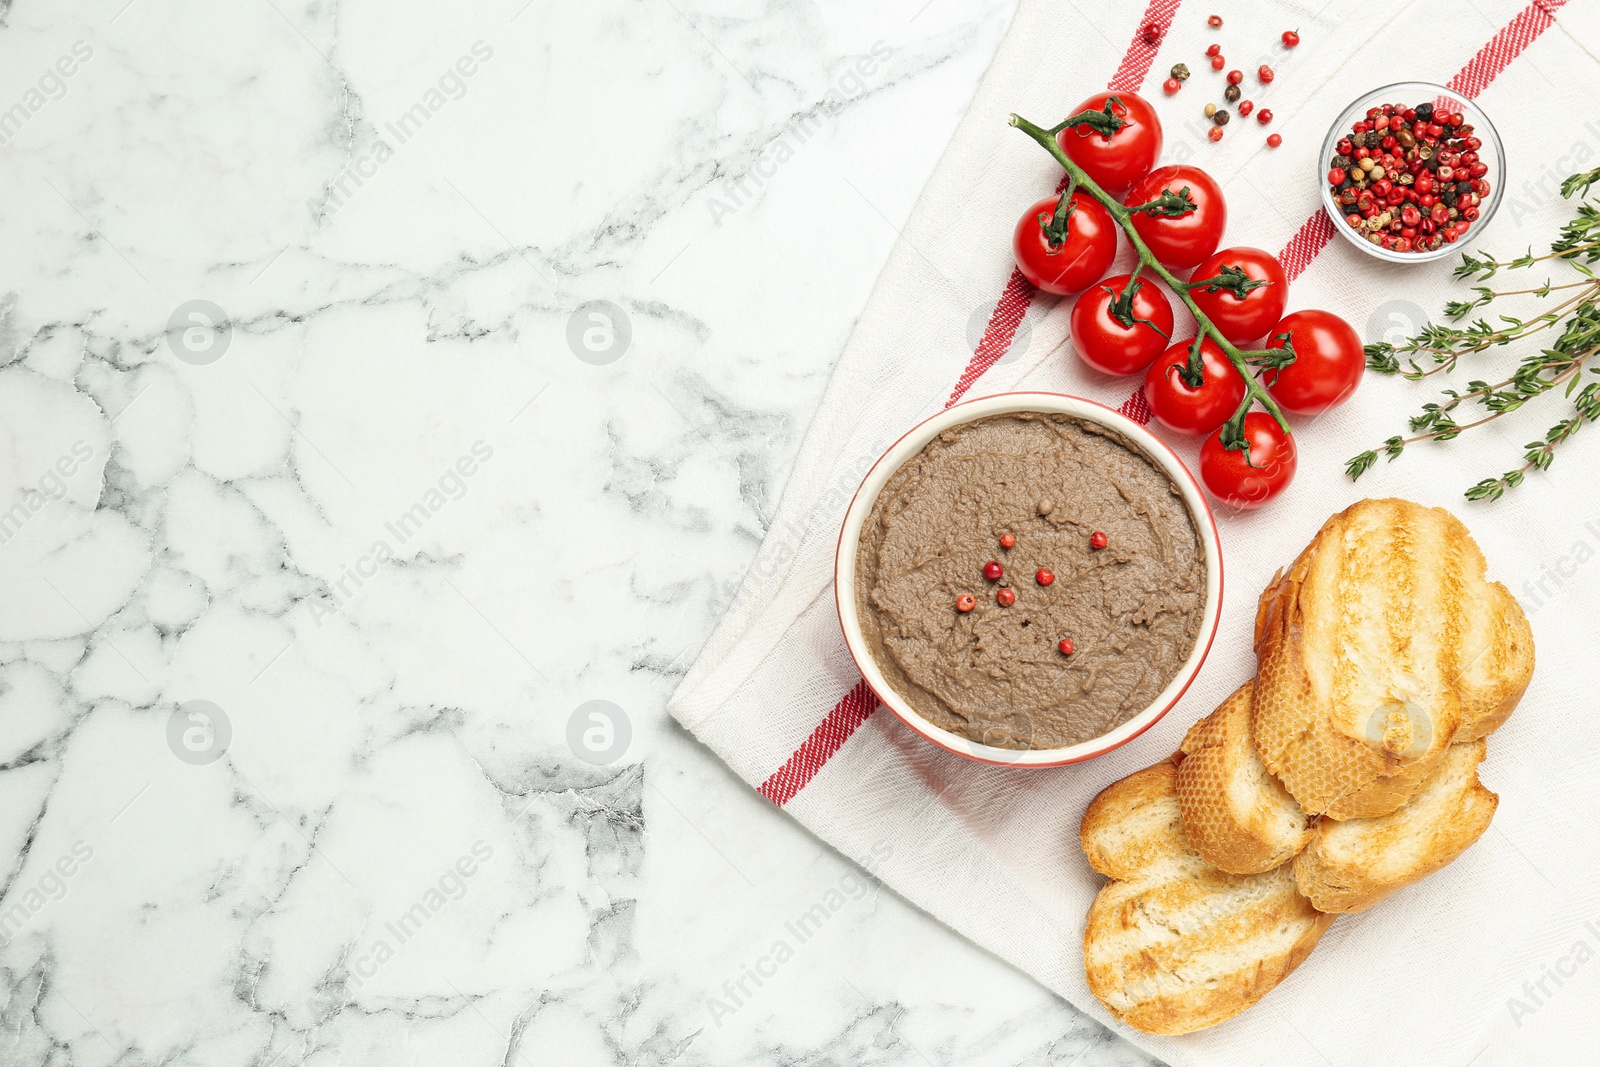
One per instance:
(998,334)
(1505,46)
(1146,43)
(824,741)
(1303,247)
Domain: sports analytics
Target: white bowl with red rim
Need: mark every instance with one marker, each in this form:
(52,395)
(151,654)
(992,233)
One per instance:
(844,574)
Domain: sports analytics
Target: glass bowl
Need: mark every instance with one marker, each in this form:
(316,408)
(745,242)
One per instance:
(1411,94)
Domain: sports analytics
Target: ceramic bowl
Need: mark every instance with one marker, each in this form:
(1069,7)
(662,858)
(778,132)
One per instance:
(909,446)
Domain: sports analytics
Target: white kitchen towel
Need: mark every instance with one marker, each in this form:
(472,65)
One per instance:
(1486,962)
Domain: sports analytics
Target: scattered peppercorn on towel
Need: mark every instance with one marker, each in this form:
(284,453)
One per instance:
(1494,960)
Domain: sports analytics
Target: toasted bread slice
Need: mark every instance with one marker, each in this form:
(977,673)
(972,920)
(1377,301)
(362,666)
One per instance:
(1351,865)
(1235,813)
(1496,657)
(1172,944)
(1380,645)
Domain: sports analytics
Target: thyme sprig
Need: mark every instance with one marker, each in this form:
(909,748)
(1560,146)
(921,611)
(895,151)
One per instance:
(1574,319)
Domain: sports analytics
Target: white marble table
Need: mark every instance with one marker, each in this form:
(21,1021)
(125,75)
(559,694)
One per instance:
(331,505)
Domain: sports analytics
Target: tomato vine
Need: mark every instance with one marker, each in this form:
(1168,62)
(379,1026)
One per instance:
(1171,205)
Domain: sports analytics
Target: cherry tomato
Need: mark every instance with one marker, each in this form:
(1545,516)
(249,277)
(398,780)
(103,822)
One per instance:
(1182,242)
(1178,407)
(1268,472)
(1105,343)
(1328,363)
(1243,321)
(1074,264)
(1128,155)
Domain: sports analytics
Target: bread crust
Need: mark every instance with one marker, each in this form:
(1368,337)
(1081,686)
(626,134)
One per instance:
(1235,813)
(1173,944)
(1381,645)
(1351,865)
(1492,687)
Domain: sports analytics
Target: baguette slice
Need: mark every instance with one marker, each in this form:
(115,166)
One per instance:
(1351,865)
(1497,655)
(1381,644)
(1172,944)
(1235,813)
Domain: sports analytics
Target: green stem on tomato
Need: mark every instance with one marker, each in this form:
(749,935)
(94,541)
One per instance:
(1172,205)
(1232,279)
(1254,391)
(1059,226)
(1105,122)
(1120,307)
(1193,372)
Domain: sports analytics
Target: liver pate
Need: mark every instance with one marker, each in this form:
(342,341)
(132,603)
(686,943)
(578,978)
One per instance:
(995,675)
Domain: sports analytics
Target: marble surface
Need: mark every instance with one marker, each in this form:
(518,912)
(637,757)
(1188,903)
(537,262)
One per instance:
(391,397)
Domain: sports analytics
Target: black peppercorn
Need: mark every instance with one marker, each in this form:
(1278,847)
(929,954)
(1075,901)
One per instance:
(1231,94)
(1221,117)
(1425,112)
